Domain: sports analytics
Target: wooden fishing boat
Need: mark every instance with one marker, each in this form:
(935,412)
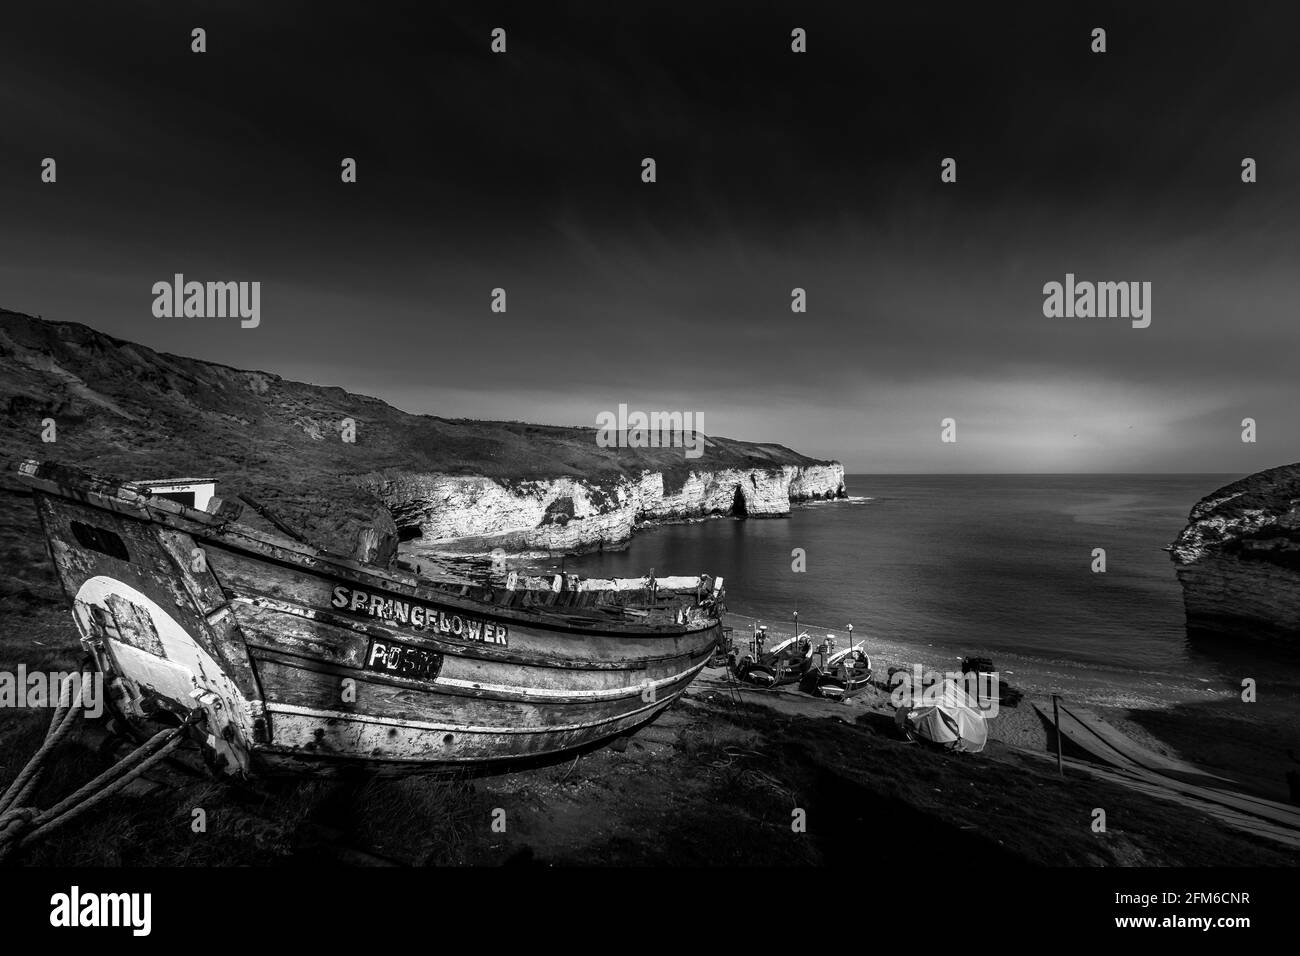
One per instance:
(293,659)
(841,675)
(784,663)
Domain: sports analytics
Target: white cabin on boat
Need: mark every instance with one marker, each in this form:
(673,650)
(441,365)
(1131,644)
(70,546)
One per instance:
(195,492)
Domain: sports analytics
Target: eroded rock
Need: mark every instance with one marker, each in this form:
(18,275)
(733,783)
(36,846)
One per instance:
(1238,559)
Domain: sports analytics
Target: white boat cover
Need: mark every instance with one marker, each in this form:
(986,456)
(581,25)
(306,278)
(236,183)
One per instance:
(949,717)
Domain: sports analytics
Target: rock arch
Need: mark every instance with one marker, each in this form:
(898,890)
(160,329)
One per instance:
(739,506)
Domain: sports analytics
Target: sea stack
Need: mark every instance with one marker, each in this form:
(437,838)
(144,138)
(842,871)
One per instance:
(1238,559)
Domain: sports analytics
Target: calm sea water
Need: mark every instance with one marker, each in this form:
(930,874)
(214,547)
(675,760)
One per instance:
(931,568)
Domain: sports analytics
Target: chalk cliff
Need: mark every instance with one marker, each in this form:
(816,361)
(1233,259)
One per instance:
(475,513)
(121,409)
(1238,559)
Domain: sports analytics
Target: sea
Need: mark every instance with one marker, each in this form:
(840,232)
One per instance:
(932,568)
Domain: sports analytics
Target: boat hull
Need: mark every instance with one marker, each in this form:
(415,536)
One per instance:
(303,662)
(834,687)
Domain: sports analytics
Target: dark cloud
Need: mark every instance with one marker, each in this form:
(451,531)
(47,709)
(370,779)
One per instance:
(775,171)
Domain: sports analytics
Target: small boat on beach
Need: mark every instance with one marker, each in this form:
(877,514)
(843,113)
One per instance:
(783,663)
(946,717)
(842,674)
(285,658)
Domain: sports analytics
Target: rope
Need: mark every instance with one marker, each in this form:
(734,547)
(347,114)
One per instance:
(22,825)
(732,682)
(165,742)
(60,724)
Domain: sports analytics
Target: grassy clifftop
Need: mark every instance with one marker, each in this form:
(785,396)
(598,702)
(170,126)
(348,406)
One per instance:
(125,405)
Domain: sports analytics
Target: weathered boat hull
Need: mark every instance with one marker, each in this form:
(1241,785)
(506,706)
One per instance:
(304,661)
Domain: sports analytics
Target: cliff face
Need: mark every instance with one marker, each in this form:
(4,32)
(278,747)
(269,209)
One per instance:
(569,514)
(1238,559)
(122,409)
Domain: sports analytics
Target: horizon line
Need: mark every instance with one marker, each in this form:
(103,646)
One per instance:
(1033,474)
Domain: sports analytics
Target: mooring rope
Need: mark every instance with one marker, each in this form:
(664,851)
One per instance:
(21,825)
(25,782)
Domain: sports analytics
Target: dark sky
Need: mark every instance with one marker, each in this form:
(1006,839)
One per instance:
(775,170)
